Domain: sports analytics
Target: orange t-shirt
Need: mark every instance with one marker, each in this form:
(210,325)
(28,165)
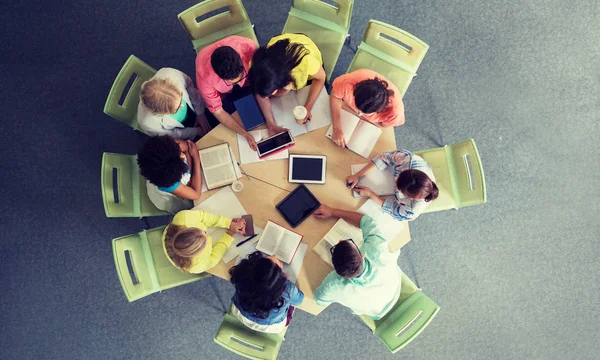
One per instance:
(343,88)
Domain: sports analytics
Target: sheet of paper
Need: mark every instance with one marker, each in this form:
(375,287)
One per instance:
(282,107)
(235,251)
(364,138)
(380,181)
(321,111)
(349,122)
(224,203)
(389,227)
(291,270)
(248,155)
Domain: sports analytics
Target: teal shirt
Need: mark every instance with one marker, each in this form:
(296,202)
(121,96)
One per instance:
(375,291)
(181,113)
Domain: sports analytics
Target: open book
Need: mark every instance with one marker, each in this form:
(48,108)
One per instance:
(248,155)
(279,241)
(283,107)
(217,166)
(380,181)
(291,270)
(340,231)
(361,136)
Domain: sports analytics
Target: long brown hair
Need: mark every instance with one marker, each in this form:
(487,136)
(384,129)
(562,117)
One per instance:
(183,244)
(415,184)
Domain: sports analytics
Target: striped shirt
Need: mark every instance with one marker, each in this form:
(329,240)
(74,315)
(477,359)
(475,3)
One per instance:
(403,208)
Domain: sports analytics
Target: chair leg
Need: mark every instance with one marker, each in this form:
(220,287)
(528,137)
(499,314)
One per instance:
(348,42)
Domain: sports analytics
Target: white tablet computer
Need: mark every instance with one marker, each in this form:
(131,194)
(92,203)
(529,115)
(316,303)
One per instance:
(307,169)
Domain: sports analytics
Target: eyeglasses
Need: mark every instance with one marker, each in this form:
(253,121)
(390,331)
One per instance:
(352,241)
(235,83)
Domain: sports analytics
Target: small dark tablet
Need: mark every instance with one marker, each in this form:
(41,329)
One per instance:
(298,205)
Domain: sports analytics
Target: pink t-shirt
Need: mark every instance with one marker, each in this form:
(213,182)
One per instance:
(343,88)
(210,85)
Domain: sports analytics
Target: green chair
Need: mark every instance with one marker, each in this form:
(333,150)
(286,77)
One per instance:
(392,52)
(127,110)
(405,321)
(236,337)
(125,196)
(458,174)
(143,267)
(233,21)
(325,24)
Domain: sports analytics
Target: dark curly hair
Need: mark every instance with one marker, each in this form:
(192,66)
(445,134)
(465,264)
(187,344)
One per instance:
(372,95)
(260,284)
(347,260)
(272,66)
(160,161)
(226,63)
(415,184)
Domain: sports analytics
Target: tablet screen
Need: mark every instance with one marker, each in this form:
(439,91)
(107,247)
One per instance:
(298,205)
(307,169)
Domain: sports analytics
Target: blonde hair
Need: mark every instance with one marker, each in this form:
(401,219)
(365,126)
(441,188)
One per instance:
(160,96)
(183,244)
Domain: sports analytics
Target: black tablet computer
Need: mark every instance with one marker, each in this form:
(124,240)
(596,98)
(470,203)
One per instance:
(298,205)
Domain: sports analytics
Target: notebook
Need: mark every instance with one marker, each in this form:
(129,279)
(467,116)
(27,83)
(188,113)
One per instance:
(248,155)
(218,165)
(340,231)
(380,181)
(249,112)
(283,106)
(361,136)
(279,241)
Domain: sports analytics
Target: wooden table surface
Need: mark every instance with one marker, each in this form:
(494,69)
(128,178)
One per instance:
(267,184)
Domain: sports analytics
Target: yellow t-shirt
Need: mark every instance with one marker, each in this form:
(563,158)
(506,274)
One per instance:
(210,255)
(310,64)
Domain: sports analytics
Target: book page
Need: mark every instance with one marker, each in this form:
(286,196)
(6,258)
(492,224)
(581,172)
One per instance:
(349,122)
(287,246)
(321,111)
(221,175)
(389,228)
(214,156)
(323,249)
(269,239)
(380,181)
(283,107)
(248,155)
(340,231)
(290,270)
(364,138)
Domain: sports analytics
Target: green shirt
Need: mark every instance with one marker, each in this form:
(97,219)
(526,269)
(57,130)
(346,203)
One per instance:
(375,291)
(181,113)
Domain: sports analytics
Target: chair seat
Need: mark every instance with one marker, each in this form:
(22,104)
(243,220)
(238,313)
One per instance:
(329,42)
(437,160)
(364,60)
(246,30)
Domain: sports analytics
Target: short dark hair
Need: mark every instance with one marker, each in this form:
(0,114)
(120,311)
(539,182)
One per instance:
(160,161)
(259,284)
(415,184)
(226,63)
(372,95)
(272,66)
(347,260)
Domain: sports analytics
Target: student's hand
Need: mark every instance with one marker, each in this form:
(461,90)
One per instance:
(323,212)
(308,116)
(352,181)
(338,137)
(193,150)
(237,226)
(364,191)
(276,129)
(251,141)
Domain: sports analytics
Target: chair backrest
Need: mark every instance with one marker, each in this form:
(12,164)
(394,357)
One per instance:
(124,189)
(236,337)
(123,106)
(143,267)
(135,266)
(339,15)
(467,172)
(216,26)
(401,46)
(405,322)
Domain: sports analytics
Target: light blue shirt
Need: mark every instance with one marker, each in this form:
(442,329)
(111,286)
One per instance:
(375,291)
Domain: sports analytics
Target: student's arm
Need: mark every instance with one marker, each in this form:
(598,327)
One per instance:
(318,81)
(335,104)
(296,296)
(352,180)
(326,293)
(228,120)
(193,190)
(265,107)
(212,220)
(401,211)
(325,212)
(193,94)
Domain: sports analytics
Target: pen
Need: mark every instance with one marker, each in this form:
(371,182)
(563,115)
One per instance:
(346,146)
(245,241)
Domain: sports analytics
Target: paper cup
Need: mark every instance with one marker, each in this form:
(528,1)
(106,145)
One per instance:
(300,113)
(237,186)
